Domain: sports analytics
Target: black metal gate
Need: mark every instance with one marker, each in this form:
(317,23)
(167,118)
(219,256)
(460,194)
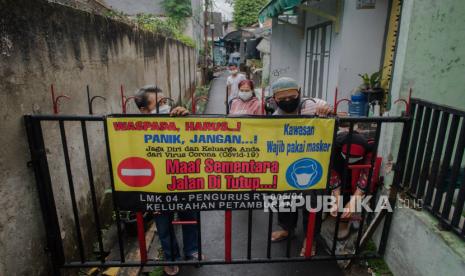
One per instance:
(55,240)
(434,172)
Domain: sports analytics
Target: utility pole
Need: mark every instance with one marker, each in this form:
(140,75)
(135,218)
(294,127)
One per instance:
(205,35)
(212,27)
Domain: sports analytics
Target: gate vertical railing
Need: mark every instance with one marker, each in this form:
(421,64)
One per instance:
(435,171)
(45,192)
(52,224)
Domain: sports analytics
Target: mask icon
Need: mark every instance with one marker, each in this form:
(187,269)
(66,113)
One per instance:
(303,175)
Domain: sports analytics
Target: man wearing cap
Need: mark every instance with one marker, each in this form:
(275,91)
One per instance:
(287,95)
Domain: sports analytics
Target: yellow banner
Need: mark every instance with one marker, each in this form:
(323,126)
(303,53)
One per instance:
(202,154)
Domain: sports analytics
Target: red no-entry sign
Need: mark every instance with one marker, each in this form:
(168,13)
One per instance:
(136,172)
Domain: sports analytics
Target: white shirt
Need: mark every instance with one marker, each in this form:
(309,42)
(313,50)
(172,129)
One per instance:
(234,83)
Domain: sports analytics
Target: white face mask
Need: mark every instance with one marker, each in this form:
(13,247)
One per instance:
(303,178)
(164,109)
(235,71)
(245,96)
(352,160)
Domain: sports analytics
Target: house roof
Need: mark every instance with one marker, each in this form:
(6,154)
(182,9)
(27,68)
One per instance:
(236,36)
(276,7)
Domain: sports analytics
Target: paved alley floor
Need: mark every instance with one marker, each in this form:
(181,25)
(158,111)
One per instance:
(213,231)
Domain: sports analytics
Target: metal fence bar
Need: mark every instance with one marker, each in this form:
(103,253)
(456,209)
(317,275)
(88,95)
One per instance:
(428,154)
(227,235)
(445,163)
(172,234)
(396,185)
(141,237)
(44,187)
(199,236)
(369,184)
(71,191)
(221,261)
(436,160)
(454,173)
(420,152)
(268,240)
(344,184)
(459,206)
(90,174)
(249,234)
(310,234)
(413,145)
(115,205)
(441,107)
(288,240)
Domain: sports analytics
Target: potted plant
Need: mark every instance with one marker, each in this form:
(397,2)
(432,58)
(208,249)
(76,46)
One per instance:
(371,86)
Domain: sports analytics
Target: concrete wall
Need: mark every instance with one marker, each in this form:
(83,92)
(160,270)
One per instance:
(416,247)
(430,58)
(41,44)
(285,45)
(362,40)
(433,61)
(135,7)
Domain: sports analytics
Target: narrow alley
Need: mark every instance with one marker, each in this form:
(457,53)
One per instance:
(213,231)
(118,156)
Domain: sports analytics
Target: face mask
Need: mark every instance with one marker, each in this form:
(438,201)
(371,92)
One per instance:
(233,71)
(352,160)
(289,106)
(164,109)
(245,96)
(303,175)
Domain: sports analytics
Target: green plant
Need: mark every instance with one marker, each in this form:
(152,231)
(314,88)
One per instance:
(167,27)
(245,12)
(186,40)
(115,14)
(178,10)
(255,63)
(372,81)
(200,91)
(377,266)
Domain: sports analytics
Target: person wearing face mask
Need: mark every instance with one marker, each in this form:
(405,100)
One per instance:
(150,100)
(287,95)
(232,83)
(246,102)
(360,152)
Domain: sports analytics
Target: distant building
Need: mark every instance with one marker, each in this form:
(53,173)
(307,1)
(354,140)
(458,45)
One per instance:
(327,44)
(215,19)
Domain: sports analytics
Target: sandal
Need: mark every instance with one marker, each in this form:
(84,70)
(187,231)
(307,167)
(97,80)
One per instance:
(302,251)
(195,257)
(171,270)
(279,235)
